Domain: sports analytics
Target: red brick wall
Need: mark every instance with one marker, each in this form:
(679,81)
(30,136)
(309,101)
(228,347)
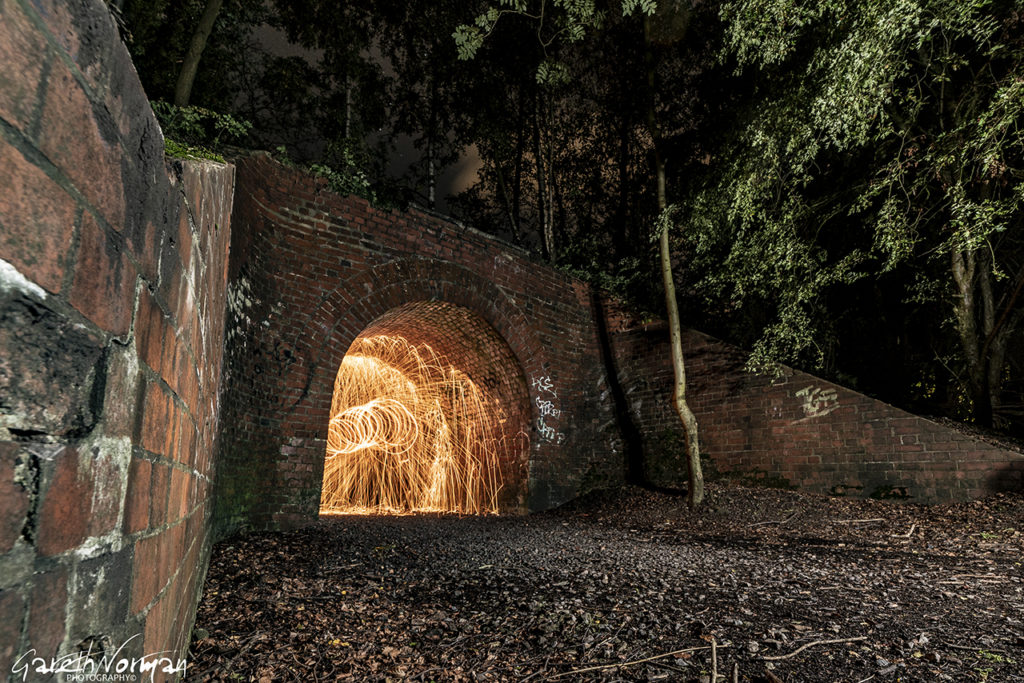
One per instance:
(797,430)
(112,278)
(310,271)
(117,305)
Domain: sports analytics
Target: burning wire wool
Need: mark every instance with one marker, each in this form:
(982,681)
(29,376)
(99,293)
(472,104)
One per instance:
(410,434)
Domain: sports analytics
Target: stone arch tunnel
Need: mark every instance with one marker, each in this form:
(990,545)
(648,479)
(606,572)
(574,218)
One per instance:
(325,268)
(170,335)
(464,415)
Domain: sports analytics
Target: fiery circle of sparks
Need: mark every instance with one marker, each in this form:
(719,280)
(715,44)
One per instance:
(410,434)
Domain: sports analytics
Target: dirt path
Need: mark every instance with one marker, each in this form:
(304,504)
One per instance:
(905,593)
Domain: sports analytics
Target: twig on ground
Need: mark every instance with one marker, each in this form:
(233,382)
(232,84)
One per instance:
(981,576)
(908,534)
(629,663)
(859,521)
(735,673)
(975,648)
(714,660)
(774,521)
(812,644)
(663,665)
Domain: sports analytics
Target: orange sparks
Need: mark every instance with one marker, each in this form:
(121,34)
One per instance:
(410,434)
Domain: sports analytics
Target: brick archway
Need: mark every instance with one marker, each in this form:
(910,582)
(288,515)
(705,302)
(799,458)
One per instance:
(350,307)
(311,270)
(316,348)
(433,288)
(461,339)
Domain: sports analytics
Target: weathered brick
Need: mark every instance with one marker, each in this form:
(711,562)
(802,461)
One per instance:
(123,395)
(147,570)
(159,422)
(56,16)
(66,505)
(108,489)
(153,334)
(158,492)
(36,220)
(144,241)
(14,497)
(106,580)
(131,111)
(137,499)
(155,635)
(99,168)
(178,498)
(170,276)
(12,613)
(23,54)
(83,145)
(46,625)
(103,289)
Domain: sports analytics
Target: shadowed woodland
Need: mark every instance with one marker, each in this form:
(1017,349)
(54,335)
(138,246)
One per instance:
(831,184)
(844,177)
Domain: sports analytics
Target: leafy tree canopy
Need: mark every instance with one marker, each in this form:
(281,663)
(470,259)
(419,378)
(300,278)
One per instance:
(881,137)
(846,174)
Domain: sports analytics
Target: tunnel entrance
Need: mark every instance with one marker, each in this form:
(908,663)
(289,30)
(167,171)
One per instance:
(429,414)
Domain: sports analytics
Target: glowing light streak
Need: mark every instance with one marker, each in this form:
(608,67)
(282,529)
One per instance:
(411,434)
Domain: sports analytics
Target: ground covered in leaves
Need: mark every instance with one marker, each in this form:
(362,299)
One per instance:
(791,587)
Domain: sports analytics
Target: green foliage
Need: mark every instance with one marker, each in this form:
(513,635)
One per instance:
(199,127)
(562,22)
(629,279)
(180,150)
(881,137)
(829,158)
(158,32)
(195,132)
(344,168)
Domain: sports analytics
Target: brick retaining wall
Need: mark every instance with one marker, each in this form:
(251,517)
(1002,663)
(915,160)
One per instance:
(112,282)
(797,430)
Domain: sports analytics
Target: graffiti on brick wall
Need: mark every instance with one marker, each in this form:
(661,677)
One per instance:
(547,408)
(547,411)
(503,260)
(240,304)
(544,384)
(816,401)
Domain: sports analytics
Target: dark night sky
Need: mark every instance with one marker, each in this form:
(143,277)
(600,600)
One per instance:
(451,180)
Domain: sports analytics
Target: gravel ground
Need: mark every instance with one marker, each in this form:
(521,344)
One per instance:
(789,587)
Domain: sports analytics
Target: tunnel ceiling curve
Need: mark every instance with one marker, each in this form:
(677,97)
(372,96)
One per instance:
(430,413)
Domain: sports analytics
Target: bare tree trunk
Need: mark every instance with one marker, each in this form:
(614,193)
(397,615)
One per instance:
(509,211)
(964,266)
(695,492)
(348,108)
(989,372)
(543,191)
(187,75)
(997,341)
(431,143)
(625,236)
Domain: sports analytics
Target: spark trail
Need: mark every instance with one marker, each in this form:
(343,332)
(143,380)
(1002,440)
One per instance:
(410,433)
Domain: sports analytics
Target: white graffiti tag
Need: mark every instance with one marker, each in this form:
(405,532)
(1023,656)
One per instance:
(817,401)
(548,433)
(544,384)
(547,409)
